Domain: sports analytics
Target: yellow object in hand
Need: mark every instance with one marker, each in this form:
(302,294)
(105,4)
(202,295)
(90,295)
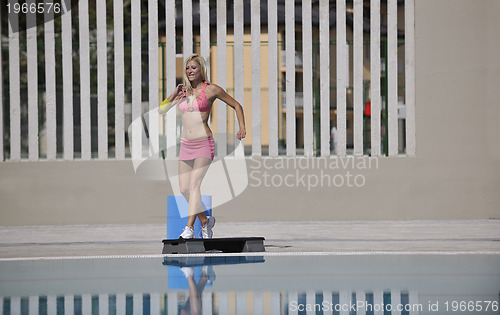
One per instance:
(164,104)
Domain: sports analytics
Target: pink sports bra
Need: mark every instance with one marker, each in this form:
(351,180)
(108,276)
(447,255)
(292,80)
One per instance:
(200,104)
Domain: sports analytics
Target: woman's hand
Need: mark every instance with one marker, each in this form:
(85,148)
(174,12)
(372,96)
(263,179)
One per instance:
(179,90)
(166,104)
(241,133)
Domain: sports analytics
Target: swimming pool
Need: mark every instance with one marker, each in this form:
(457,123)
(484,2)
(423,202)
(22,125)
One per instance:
(264,283)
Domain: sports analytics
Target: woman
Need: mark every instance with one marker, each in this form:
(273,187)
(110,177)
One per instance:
(195,98)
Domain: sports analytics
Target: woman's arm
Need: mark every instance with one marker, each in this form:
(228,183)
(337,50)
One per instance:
(172,100)
(226,98)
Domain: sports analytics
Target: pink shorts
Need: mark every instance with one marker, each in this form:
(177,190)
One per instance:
(192,149)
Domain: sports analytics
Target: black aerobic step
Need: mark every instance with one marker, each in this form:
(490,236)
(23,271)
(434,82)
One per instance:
(224,245)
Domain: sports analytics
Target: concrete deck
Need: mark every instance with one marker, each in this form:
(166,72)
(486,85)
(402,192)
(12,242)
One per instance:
(464,236)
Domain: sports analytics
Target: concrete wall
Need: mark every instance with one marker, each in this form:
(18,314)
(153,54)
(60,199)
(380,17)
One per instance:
(456,174)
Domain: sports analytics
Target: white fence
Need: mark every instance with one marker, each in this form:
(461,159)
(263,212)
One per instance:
(14,136)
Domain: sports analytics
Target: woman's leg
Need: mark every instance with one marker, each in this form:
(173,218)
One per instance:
(200,168)
(185,170)
(194,296)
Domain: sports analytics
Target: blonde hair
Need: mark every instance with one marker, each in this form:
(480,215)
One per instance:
(201,61)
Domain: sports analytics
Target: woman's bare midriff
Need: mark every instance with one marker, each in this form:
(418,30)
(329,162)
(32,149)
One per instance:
(195,125)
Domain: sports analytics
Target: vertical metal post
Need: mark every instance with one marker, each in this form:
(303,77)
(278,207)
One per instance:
(67,68)
(410,77)
(102,81)
(272,23)
(290,78)
(32,74)
(14,85)
(324,76)
(221,75)
(358,77)
(119,80)
(256,85)
(342,78)
(386,102)
(307,48)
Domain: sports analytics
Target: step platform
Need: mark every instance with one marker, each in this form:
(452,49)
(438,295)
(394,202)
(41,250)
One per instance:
(221,245)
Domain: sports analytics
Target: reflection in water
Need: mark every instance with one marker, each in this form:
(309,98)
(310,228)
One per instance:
(191,267)
(193,303)
(257,302)
(351,284)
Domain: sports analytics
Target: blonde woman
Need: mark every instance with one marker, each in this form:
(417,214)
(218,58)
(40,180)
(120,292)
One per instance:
(195,98)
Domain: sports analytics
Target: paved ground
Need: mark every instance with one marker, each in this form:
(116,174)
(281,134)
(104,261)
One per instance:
(410,236)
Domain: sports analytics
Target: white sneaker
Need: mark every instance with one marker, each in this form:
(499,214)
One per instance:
(209,272)
(187,233)
(187,271)
(206,230)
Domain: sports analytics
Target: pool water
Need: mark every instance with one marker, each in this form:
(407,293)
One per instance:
(253,284)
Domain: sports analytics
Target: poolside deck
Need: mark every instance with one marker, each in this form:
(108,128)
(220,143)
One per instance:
(461,236)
